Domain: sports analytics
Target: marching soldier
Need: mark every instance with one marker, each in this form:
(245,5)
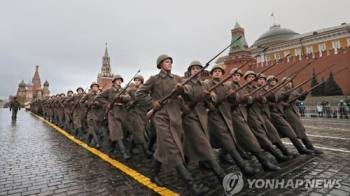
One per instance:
(239,114)
(94,112)
(138,118)
(15,106)
(279,120)
(117,116)
(77,112)
(220,124)
(60,108)
(195,124)
(262,128)
(67,112)
(167,122)
(292,115)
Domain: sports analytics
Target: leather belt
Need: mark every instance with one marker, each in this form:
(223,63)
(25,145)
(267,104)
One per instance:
(120,104)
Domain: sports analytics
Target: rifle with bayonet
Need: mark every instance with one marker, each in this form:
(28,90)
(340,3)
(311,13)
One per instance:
(91,103)
(165,99)
(76,104)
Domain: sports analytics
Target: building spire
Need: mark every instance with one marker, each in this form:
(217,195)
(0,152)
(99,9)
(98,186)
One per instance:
(106,51)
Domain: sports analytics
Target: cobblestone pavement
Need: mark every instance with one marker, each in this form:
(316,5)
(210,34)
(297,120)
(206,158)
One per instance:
(36,159)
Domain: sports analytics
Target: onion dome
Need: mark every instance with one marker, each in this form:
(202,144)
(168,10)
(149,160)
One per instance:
(274,34)
(30,84)
(22,84)
(46,83)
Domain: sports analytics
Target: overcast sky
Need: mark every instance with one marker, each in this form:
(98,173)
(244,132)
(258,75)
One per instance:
(67,38)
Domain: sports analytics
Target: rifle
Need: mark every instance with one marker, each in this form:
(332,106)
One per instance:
(116,99)
(291,101)
(76,104)
(310,79)
(293,75)
(90,105)
(165,99)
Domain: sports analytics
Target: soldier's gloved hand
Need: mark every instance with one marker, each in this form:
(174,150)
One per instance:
(156,105)
(108,106)
(245,98)
(232,93)
(179,88)
(185,109)
(286,105)
(305,93)
(206,93)
(286,94)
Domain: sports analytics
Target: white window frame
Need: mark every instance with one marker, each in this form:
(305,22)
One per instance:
(286,53)
(277,56)
(267,57)
(309,49)
(348,42)
(297,52)
(336,46)
(321,48)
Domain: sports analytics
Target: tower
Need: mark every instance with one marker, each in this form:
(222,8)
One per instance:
(36,80)
(45,90)
(21,92)
(29,94)
(104,78)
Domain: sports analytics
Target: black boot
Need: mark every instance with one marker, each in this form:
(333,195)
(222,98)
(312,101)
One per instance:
(151,143)
(244,154)
(133,148)
(300,147)
(148,153)
(97,143)
(122,150)
(266,165)
(223,158)
(89,140)
(279,157)
(192,186)
(246,170)
(156,165)
(285,151)
(111,149)
(309,146)
(218,171)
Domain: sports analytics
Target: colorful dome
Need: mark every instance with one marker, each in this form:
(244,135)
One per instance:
(22,84)
(46,83)
(30,84)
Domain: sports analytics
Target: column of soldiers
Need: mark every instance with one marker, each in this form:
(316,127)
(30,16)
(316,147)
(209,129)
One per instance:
(243,124)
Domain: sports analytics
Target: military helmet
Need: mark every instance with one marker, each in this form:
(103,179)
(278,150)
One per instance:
(62,94)
(139,77)
(249,73)
(94,83)
(194,63)
(161,58)
(261,75)
(217,67)
(238,71)
(117,76)
(284,79)
(70,91)
(132,84)
(80,88)
(271,77)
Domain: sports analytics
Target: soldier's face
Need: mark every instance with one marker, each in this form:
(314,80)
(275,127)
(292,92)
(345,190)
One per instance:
(288,85)
(167,65)
(62,96)
(217,73)
(118,82)
(250,78)
(70,94)
(261,81)
(137,82)
(94,88)
(195,69)
(80,91)
(236,77)
(273,83)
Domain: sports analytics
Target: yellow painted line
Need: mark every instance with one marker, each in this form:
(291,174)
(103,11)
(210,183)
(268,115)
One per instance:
(132,173)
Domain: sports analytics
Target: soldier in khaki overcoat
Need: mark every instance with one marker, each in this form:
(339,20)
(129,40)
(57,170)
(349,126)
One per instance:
(167,122)
(292,114)
(92,111)
(138,118)
(195,123)
(117,116)
(77,112)
(222,134)
(67,112)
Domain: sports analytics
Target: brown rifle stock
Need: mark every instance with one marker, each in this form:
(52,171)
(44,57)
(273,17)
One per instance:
(163,101)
